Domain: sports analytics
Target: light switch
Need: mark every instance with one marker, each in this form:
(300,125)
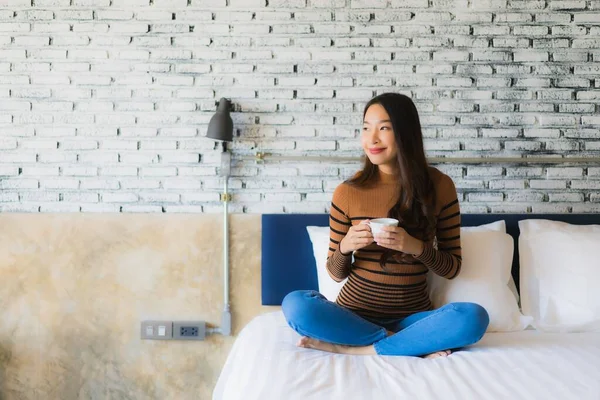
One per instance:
(156,330)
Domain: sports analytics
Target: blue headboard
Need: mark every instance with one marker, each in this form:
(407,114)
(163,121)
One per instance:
(288,263)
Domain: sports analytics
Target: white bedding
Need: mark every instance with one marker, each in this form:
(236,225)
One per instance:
(265,364)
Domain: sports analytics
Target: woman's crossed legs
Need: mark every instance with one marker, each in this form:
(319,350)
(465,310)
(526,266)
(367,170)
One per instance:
(327,326)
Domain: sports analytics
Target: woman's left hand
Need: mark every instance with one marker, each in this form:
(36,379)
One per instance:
(396,238)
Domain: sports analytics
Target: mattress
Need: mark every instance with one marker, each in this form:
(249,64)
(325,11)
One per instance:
(264,363)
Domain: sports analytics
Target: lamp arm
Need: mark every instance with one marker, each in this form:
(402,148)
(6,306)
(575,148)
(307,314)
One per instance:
(225,198)
(226,316)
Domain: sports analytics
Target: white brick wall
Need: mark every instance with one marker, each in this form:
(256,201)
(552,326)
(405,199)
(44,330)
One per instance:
(104,104)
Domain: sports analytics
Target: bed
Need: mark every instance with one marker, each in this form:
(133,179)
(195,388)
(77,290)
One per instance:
(265,363)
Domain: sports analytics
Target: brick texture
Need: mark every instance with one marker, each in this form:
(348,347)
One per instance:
(104,104)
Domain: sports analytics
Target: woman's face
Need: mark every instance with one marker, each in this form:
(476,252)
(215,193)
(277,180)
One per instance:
(377,138)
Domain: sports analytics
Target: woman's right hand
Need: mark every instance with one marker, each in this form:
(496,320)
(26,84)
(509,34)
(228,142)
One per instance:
(357,237)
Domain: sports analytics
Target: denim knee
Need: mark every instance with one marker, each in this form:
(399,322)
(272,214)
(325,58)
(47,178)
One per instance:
(296,305)
(475,320)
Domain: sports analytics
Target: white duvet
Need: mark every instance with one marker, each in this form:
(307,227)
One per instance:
(265,363)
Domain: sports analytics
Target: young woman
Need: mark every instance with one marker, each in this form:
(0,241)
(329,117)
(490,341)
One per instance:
(384,306)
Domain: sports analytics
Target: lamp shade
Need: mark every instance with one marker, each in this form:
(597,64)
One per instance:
(220,126)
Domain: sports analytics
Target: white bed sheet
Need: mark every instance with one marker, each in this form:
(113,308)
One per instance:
(265,363)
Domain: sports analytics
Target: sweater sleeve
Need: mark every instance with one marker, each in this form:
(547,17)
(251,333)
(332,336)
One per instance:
(338,264)
(447,259)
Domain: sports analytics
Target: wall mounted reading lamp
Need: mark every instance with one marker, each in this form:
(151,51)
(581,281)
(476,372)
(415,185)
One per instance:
(220,128)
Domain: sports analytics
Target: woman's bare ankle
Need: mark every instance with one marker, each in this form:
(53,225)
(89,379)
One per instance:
(315,344)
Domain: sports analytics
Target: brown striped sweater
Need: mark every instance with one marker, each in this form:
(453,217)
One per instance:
(402,290)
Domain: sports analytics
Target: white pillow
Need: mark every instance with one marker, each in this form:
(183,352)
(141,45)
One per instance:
(484,279)
(319,236)
(496,226)
(560,275)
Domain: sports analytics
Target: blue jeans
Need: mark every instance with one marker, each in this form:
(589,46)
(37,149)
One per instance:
(452,326)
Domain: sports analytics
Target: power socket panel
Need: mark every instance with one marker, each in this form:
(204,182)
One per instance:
(189,330)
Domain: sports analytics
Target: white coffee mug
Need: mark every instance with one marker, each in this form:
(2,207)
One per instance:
(377,223)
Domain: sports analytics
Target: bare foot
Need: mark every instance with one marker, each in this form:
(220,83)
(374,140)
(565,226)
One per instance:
(310,343)
(443,353)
